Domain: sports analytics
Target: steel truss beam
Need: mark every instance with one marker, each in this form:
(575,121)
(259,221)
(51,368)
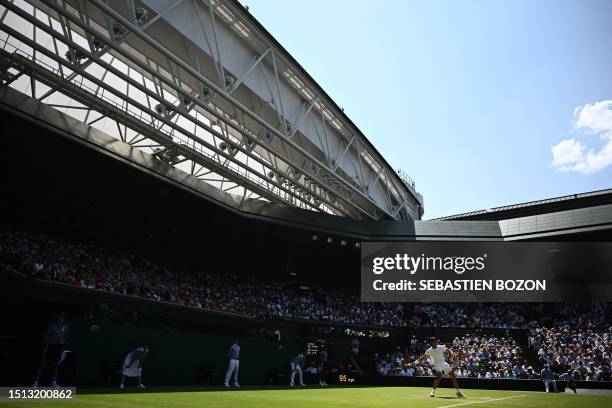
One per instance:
(75,92)
(51,79)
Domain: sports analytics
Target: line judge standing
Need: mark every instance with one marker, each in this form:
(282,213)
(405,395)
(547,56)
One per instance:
(234,363)
(296,367)
(54,340)
(323,367)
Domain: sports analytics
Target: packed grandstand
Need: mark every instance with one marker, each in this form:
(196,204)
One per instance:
(89,266)
(584,353)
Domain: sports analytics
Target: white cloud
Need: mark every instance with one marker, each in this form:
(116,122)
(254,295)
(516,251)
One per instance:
(571,155)
(597,117)
(567,152)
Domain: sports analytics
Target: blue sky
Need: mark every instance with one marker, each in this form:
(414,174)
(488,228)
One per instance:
(468,97)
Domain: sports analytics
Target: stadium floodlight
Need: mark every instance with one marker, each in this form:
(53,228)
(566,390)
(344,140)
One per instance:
(250,144)
(118,30)
(330,240)
(74,57)
(142,15)
(207,93)
(97,45)
(343,243)
(161,109)
(229,82)
(315,237)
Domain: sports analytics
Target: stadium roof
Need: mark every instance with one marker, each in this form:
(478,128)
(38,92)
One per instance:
(563,203)
(303,71)
(202,86)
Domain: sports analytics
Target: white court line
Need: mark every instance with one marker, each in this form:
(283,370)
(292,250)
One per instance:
(481,402)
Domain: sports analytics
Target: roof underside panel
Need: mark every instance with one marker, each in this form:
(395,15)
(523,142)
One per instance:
(202,86)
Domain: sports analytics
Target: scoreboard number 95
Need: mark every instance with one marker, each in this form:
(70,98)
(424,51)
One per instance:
(345,379)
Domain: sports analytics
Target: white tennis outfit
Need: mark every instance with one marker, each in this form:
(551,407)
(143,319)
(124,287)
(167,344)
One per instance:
(437,357)
(131,366)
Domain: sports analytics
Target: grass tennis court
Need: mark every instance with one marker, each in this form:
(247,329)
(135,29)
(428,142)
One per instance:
(327,397)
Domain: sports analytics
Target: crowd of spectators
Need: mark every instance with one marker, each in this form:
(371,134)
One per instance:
(582,353)
(92,267)
(88,266)
(476,356)
(508,315)
(569,353)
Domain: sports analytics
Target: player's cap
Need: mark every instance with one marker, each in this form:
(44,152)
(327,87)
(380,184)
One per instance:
(432,339)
